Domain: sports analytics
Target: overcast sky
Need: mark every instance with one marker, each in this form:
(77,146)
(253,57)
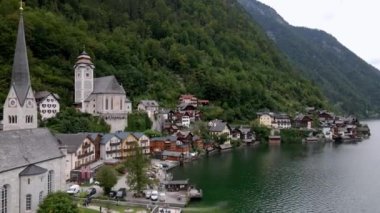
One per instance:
(356,24)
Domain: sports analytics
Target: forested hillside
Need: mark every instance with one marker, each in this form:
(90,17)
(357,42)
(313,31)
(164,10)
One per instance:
(157,49)
(350,83)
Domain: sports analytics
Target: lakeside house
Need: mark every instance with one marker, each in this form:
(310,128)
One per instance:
(243,133)
(219,128)
(169,148)
(274,120)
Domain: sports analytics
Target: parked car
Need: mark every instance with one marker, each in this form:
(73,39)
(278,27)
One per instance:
(154,195)
(73,189)
(121,193)
(147,194)
(91,191)
(162,197)
(112,194)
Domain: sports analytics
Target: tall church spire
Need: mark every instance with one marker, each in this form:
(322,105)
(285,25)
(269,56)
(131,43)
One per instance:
(20,71)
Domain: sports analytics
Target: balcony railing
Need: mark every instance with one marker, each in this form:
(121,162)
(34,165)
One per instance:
(85,154)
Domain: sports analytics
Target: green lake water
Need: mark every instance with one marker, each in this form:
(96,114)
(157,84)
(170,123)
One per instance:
(289,178)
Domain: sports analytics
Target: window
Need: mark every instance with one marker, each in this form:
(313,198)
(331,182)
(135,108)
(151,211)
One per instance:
(87,74)
(106,103)
(4,198)
(111,103)
(28,180)
(43,105)
(40,196)
(121,103)
(50,181)
(28,202)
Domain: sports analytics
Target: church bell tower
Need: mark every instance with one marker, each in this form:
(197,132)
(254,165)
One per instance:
(84,78)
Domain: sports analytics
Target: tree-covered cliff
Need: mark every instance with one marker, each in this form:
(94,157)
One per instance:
(351,84)
(157,49)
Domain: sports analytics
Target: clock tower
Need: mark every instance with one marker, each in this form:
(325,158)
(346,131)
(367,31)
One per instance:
(20,108)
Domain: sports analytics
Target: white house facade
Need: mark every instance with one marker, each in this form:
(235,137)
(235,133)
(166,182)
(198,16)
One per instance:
(47,104)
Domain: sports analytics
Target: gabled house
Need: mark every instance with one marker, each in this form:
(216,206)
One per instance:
(219,128)
(81,150)
(169,148)
(281,121)
(266,118)
(325,116)
(303,121)
(148,106)
(110,148)
(143,141)
(47,104)
(120,145)
(245,134)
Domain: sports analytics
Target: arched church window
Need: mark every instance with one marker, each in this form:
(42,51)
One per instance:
(106,103)
(111,103)
(16,119)
(4,198)
(9,119)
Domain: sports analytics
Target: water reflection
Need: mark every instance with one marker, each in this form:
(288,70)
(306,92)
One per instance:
(312,177)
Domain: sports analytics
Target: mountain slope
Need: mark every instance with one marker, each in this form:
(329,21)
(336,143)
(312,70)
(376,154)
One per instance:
(158,49)
(350,83)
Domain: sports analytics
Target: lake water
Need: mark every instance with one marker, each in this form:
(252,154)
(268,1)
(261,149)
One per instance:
(290,178)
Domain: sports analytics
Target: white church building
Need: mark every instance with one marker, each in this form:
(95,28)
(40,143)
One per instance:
(31,159)
(103,96)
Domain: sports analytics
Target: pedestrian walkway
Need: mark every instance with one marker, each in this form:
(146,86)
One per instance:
(104,210)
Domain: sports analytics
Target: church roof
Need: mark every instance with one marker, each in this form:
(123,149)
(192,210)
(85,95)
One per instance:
(20,71)
(107,85)
(20,148)
(72,141)
(32,170)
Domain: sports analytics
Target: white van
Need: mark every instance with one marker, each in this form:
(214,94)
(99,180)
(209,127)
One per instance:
(74,189)
(154,195)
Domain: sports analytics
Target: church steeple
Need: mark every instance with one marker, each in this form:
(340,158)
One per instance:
(20,71)
(20,107)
